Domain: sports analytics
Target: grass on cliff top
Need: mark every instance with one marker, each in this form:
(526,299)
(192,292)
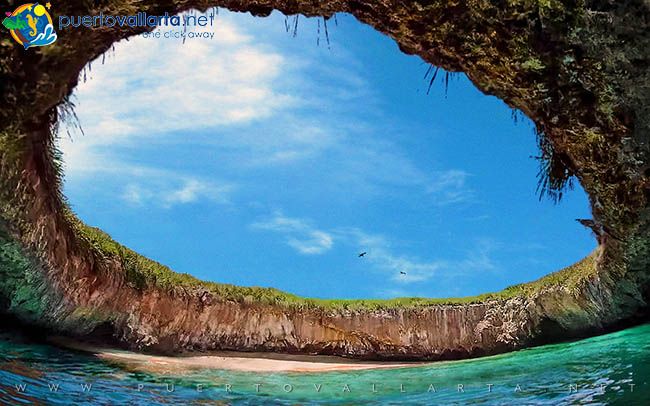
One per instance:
(142,272)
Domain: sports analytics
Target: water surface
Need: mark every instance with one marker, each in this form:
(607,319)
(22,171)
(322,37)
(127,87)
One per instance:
(609,369)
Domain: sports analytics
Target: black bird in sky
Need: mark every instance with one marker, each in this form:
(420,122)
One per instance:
(363,254)
(402,272)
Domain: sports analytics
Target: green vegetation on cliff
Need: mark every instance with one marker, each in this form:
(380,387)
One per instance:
(141,273)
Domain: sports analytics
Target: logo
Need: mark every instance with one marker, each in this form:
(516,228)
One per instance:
(31,25)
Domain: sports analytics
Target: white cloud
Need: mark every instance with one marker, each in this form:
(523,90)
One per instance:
(385,260)
(299,234)
(316,242)
(191,191)
(135,194)
(415,270)
(151,87)
(167,195)
(253,104)
(159,85)
(307,239)
(450,187)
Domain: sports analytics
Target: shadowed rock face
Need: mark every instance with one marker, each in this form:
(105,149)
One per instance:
(581,72)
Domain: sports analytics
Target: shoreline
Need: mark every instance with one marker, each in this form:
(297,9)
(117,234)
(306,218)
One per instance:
(229,360)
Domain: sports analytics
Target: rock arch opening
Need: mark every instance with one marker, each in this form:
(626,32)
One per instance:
(313,153)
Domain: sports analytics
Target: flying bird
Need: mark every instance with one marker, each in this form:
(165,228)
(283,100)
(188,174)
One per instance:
(402,272)
(363,254)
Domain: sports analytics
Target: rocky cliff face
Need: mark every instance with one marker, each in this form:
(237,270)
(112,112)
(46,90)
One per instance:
(581,71)
(88,298)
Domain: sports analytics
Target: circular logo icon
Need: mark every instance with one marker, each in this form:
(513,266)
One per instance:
(31,25)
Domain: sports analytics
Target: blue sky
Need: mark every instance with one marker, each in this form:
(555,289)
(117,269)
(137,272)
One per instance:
(261,159)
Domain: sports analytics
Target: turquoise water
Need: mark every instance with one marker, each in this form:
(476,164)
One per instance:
(609,369)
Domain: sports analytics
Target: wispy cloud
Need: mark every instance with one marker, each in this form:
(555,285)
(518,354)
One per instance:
(136,194)
(308,239)
(299,234)
(194,189)
(450,187)
(166,195)
(407,269)
(316,242)
(152,87)
(224,81)
(254,104)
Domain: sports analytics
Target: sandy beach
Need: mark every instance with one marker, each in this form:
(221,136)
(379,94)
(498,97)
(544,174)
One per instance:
(232,361)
